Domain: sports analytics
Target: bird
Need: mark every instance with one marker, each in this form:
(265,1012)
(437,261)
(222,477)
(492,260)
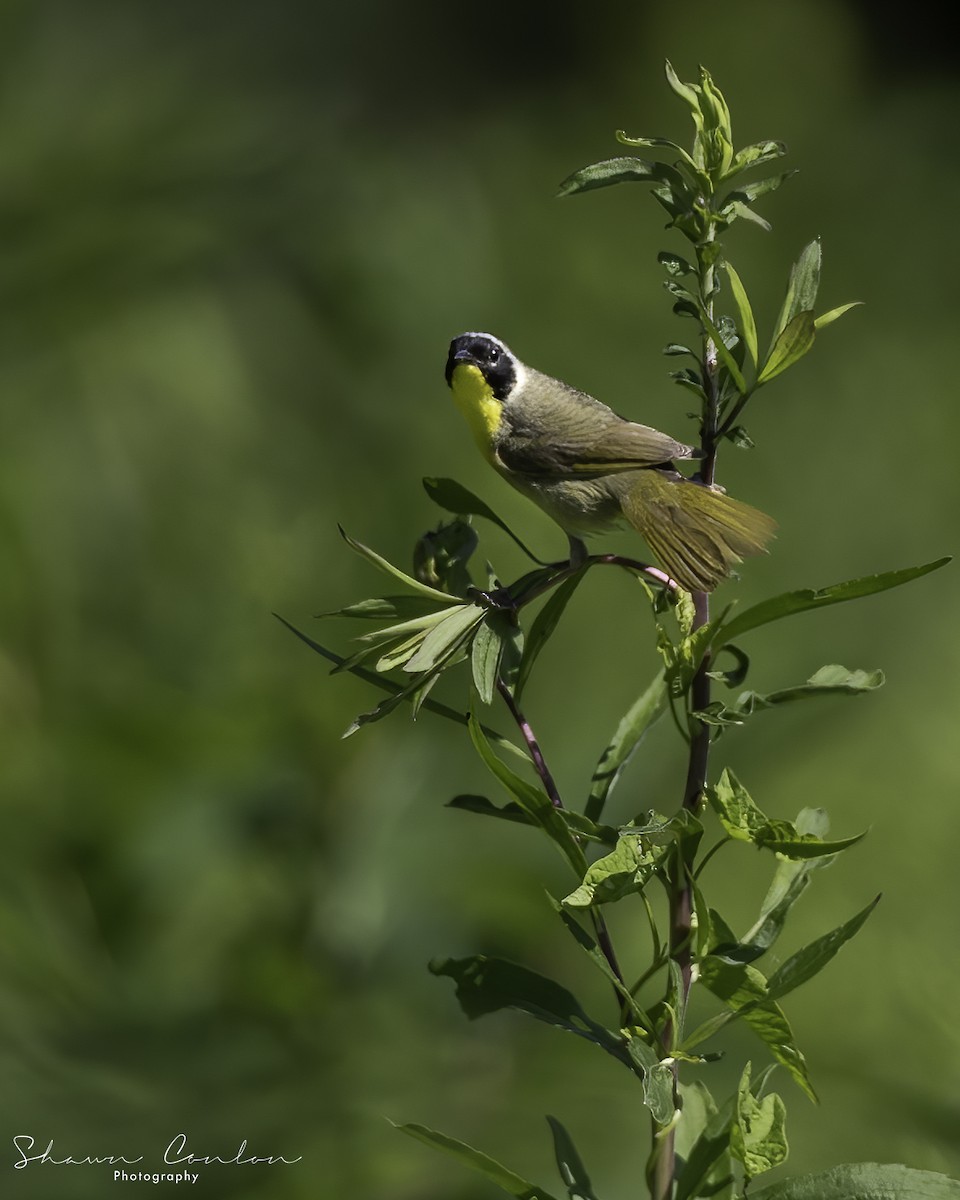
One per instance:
(591,470)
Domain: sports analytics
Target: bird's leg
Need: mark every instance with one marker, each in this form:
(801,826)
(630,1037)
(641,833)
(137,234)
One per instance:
(578,551)
(499,599)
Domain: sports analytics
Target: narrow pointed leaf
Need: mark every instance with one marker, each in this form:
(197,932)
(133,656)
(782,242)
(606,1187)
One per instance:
(389,685)
(505,1179)
(754,155)
(655,143)
(397,632)
(748,325)
(620,170)
(446,637)
(737,208)
(744,990)
(686,91)
(830,679)
(486,808)
(802,287)
(454,498)
(790,881)
(570,1164)
(813,958)
(641,715)
(828,318)
(788,603)
(487,985)
(543,626)
(864,1181)
(387,608)
(791,345)
(747,193)
(379,561)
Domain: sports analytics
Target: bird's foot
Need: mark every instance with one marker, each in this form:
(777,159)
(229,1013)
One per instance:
(497,599)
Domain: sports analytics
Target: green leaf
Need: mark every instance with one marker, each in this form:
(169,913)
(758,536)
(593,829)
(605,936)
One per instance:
(802,287)
(624,871)
(745,822)
(387,608)
(788,603)
(655,143)
(790,881)
(791,345)
(388,685)
(638,718)
(486,985)
(744,990)
(543,626)
(486,808)
(445,638)
(658,1093)
(748,325)
(388,567)
(578,824)
(864,1181)
(531,799)
(828,318)
(830,680)
(736,208)
(498,1174)
(703,1144)
(485,658)
(747,193)
(455,498)
(675,265)
(570,1164)
(687,92)
(620,170)
(758,1136)
(725,356)
(754,155)
(813,958)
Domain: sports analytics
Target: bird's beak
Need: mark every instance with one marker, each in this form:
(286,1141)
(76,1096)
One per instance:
(454,360)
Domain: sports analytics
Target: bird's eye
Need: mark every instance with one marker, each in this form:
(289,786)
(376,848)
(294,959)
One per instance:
(493,353)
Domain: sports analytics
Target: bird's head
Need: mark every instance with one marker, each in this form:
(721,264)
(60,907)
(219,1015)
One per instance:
(488,355)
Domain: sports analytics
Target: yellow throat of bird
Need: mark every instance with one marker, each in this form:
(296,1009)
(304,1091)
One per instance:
(475,399)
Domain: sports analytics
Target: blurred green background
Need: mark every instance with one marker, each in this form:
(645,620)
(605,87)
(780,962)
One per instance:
(235,240)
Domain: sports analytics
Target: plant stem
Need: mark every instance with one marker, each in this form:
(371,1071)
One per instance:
(549,786)
(663,1166)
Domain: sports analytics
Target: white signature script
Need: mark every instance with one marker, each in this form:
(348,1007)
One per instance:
(175,1154)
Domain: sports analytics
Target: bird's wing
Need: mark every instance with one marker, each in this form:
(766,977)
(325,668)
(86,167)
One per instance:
(574,434)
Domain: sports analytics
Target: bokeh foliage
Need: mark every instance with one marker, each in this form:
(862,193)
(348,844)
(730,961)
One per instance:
(235,243)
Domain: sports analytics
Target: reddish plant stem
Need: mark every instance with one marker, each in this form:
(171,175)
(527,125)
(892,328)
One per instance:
(663,1164)
(549,786)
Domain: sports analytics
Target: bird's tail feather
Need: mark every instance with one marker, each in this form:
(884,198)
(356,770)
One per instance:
(697,533)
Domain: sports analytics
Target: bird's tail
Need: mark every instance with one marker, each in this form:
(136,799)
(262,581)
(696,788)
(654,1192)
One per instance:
(697,533)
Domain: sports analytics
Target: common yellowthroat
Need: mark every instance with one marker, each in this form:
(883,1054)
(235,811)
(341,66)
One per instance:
(590,469)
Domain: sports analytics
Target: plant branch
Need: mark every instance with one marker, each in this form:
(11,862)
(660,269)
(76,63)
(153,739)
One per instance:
(550,787)
(680,891)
